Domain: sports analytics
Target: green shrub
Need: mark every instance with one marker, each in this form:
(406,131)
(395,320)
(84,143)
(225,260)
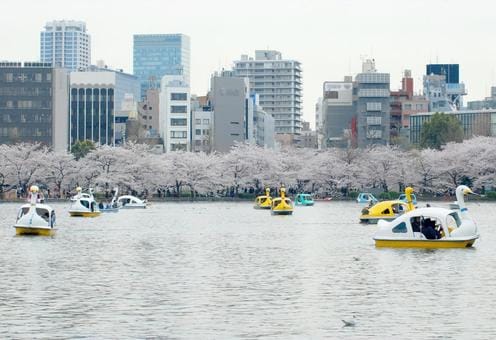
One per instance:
(491,195)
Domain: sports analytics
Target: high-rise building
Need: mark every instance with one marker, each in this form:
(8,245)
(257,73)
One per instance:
(201,124)
(372,106)
(278,82)
(66,44)
(263,125)
(442,87)
(101,101)
(174,116)
(157,55)
(33,104)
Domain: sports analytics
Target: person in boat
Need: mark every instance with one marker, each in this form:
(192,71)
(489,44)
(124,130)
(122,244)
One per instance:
(415,222)
(100,205)
(429,230)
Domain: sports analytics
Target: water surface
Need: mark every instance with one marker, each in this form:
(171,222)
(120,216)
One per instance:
(225,270)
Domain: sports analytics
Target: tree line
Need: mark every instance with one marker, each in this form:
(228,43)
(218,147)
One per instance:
(134,168)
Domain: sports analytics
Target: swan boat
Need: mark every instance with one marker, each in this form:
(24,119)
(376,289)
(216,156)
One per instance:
(113,206)
(282,205)
(365,197)
(130,202)
(84,204)
(35,218)
(263,201)
(304,199)
(388,210)
(430,227)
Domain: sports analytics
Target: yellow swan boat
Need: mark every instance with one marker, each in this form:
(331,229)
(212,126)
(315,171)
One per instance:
(263,201)
(388,210)
(282,205)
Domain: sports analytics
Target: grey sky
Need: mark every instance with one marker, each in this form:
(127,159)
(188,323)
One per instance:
(327,36)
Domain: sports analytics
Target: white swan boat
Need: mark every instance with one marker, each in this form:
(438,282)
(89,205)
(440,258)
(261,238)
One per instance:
(130,202)
(113,206)
(35,218)
(430,227)
(83,204)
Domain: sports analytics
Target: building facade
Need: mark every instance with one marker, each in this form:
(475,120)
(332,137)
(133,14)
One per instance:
(487,103)
(263,126)
(33,104)
(148,114)
(337,124)
(174,116)
(100,105)
(229,99)
(442,87)
(66,44)
(372,106)
(474,123)
(156,55)
(278,82)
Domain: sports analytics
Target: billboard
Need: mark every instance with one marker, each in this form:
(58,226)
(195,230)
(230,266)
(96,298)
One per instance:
(338,93)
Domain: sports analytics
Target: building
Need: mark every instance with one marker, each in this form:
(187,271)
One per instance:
(487,103)
(474,123)
(372,106)
(442,87)
(174,115)
(263,125)
(229,99)
(33,104)
(337,124)
(66,44)
(100,103)
(403,104)
(157,55)
(148,114)
(278,82)
(201,124)
(308,138)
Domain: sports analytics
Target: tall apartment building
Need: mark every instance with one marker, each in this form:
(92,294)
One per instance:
(157,55)
(174,117)
(33,104)
(278,82)
(372,106)
(100,105)
(148,113)
(66,44)
(201,124)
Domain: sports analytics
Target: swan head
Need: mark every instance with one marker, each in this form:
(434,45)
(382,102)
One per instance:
(34,188)
(78,189)
(464,190)
(409,190)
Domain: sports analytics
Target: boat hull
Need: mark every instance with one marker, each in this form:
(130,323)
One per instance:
(282,212)
(84,213)
(374,220)
(261,207)
(307,204)
(428,244)
(34,231)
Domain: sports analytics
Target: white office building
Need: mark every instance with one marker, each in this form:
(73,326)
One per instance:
(174,115)
(66,44)
(278,82)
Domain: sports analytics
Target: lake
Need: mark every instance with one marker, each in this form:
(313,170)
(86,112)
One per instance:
(226,270)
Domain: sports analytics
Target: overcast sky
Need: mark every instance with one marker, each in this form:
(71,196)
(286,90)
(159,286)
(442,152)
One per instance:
(329,37)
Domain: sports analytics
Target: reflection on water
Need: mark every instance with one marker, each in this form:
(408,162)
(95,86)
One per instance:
(225,270)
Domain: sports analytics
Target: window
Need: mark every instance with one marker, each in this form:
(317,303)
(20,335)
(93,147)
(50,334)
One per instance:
(178,121)
(197,121)
(206,121)
(178,134)
(206,132)
(179,109)
(179,96)
(400,228)
(198,132)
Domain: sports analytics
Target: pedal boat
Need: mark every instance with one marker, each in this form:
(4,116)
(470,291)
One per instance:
(282,205)
(387,210)
(365,197)
(455,229)
(131,202)
(113,206)
(35,218)
(84,205)
(304,199)
(263,201)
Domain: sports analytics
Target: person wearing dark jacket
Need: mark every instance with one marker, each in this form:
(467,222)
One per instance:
(428,229)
